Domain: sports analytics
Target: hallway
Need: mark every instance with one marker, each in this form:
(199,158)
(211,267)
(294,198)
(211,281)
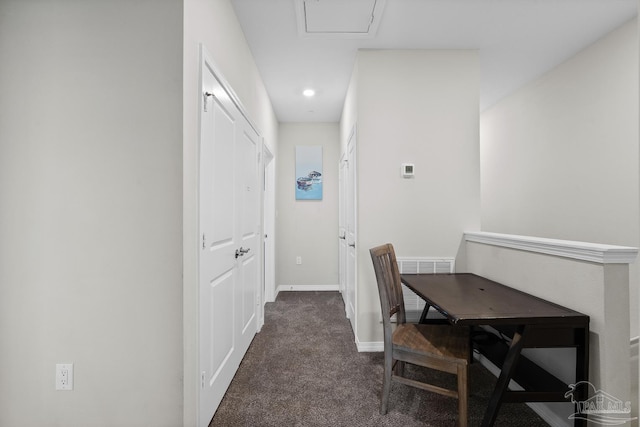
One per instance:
(303,369)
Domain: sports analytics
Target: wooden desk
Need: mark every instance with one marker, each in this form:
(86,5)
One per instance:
(467,299)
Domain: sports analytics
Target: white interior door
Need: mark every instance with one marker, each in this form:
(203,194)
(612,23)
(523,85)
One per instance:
(351,231)
(269,226)
(249,212)
(229,229)
(342,228)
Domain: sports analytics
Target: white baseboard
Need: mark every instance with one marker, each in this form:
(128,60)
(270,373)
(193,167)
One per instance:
(310,288)
(369,347)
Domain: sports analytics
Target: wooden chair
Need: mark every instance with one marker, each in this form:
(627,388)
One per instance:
(435,346)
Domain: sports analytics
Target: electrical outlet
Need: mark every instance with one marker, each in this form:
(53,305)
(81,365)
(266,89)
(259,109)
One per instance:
(64,376)
(298,260)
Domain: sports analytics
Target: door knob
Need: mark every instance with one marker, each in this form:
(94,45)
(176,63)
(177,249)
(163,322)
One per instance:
(241,251)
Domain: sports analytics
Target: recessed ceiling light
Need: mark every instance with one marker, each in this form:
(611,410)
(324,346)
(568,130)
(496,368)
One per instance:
(309,92)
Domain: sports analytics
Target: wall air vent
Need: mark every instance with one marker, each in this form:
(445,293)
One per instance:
(413,303)
(339,18)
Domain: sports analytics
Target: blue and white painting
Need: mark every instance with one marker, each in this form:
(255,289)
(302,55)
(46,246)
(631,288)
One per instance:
(309,172)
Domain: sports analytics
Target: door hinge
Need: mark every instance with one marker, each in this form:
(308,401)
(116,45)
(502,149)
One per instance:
(205,97)
(203,378)
(204,240)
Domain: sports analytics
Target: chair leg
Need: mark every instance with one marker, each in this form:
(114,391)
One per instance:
(463,396)
(386,382)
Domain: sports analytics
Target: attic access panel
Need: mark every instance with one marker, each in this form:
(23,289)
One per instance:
(339,18)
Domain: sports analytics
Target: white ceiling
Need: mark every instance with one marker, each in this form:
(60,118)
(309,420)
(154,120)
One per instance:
(517,40)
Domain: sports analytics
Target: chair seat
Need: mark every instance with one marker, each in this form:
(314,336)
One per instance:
(443,341)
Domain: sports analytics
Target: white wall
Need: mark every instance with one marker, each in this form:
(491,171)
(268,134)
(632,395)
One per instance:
(214,24)
(307,228)
(559,158)
(419,107)
(90,202)
(92,193)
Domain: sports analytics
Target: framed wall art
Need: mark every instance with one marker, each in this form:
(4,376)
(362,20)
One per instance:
(308,172)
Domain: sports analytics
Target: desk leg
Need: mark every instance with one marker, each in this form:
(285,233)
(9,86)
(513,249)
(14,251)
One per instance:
(508,368)
(582,369)
(425,320)
(425,312)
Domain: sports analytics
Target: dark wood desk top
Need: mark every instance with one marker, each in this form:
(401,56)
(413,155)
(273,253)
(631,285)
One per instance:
(468,299)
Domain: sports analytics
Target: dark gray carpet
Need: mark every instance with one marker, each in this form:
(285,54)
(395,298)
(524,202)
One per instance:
(303,369)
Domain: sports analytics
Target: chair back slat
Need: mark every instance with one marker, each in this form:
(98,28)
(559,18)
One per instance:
(389,284)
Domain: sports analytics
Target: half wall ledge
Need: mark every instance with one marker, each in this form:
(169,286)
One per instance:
(587,277)
(594,252)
